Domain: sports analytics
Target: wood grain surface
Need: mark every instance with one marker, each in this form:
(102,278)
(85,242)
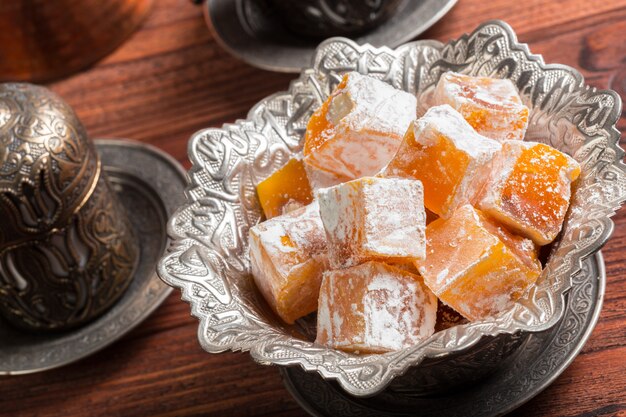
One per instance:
(170,79)
(42,40)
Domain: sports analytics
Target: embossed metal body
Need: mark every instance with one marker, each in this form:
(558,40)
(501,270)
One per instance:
(208,259)
(149,184)
(67,249)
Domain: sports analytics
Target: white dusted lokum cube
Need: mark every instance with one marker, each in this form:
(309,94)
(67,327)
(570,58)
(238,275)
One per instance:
(373,218)
(529,189)
(492,106)
(288,257)
(443,151)
(358,128)
(374,308)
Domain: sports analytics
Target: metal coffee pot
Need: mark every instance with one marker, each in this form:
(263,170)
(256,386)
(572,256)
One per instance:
(67,251)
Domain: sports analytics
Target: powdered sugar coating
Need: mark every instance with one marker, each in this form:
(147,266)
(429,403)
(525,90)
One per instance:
(377,106)
(445,120)
(359,128)
(528,189)
(447,155)
(298,232)
(320,178)
(395,220)
(373,218)
(287,256)
(374,307)
(491,105)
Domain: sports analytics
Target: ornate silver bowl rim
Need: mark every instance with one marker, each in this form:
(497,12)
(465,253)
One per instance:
(208,257)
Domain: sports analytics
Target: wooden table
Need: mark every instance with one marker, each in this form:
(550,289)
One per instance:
(171,79)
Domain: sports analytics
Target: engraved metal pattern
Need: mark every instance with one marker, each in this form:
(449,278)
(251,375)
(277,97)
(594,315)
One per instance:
(73,274)
(150,185)
(67,249)
(47,166)
(208,259)
(545,355)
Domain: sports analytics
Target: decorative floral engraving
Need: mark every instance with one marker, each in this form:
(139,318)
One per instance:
(47,168)
(208,258)
(148,184)
(72,274)
(67,249)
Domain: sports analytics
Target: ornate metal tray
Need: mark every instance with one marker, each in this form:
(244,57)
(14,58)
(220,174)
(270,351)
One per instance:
(208,257)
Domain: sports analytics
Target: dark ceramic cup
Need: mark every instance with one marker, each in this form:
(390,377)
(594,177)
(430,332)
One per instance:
(324,18)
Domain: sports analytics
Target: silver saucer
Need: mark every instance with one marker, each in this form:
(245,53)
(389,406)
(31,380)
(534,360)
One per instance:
(248,31)
(542,358)
(150,184)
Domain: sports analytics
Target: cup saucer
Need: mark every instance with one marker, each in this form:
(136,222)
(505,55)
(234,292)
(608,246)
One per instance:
(150,185)
(250,31)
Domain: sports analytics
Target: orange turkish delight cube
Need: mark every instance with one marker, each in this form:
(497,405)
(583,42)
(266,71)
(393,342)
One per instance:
(443,151)
(358,128)
(285,190)
(373,218)
(529,189)
(475,266)
(288,257)
(492,106)
(374,308)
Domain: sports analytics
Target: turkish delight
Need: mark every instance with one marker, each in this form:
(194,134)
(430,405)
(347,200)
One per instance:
(443,151)
(288,257)
(358,128)
(529,189)
(374,308)
(373,218)
(475,266)
(491,106)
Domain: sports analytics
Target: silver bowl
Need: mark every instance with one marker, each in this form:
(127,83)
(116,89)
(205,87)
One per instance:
(208,258)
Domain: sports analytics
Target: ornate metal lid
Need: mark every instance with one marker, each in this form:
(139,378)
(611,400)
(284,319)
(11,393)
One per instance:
(48,165)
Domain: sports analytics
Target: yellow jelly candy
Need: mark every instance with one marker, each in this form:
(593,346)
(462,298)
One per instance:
(373,218)
(288,257)
(285,190)
(358,129)
(446,155)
